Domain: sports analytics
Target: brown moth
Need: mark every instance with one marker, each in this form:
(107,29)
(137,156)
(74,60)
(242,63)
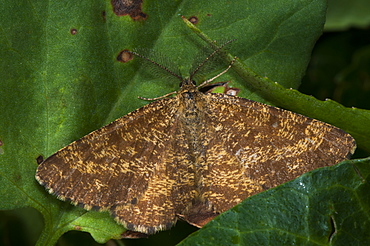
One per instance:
(191,156)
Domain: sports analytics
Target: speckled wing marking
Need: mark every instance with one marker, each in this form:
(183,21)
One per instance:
(254,147)
(136,167)
(191,156)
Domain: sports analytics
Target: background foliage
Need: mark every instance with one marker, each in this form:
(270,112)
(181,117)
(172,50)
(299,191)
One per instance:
(57,85)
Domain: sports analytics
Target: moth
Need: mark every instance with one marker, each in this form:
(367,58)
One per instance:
(191,156)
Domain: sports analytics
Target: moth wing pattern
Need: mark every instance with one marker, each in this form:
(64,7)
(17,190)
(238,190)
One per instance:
(127,167)
(255,147)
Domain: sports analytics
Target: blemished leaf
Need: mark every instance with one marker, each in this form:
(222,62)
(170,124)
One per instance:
(60,77)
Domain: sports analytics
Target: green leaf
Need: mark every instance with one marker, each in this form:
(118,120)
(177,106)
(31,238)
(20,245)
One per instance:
(60,78)
(344,14)
(326,206)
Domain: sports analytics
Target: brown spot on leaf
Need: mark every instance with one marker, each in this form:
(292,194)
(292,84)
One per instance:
(104,14)
(194,20)
(1,143)
(73,31)
(129,7)
(124,56)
